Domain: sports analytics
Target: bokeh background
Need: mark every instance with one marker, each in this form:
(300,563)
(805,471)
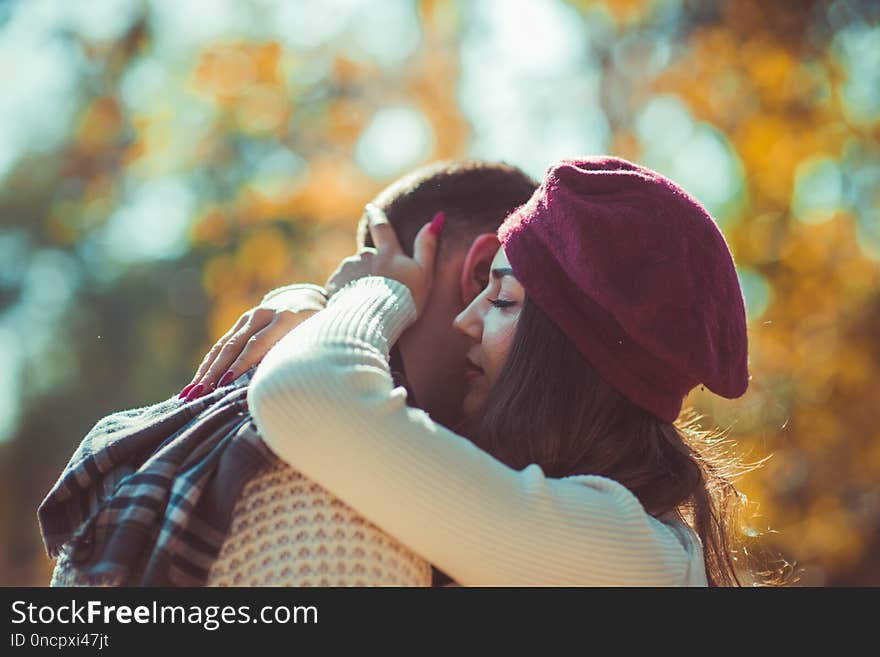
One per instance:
(163,163)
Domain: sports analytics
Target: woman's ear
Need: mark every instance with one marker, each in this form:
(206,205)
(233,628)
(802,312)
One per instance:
(475,269)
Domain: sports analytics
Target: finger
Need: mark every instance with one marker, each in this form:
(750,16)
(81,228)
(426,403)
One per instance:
(381,230)
(211,356)
(426,243)
(260,344)
(230,351)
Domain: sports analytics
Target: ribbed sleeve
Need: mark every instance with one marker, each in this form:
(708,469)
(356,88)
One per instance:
(324,401)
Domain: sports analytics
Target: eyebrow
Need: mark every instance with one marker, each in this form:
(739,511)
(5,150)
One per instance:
(501,272)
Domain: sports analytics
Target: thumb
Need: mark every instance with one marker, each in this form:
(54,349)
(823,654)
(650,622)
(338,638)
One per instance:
(426,243)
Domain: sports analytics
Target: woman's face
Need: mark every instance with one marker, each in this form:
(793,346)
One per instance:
(490,322)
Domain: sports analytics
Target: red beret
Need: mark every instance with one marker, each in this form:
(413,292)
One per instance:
(638,275)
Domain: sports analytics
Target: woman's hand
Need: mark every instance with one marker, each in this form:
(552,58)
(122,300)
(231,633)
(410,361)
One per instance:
(243,346)
(388,259)
(351,269)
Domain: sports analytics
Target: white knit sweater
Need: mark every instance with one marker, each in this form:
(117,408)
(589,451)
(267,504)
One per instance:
(324,401)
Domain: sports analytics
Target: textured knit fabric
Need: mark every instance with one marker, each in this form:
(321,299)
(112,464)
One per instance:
(480,521)
(639,277)
(153,495)
(288,531)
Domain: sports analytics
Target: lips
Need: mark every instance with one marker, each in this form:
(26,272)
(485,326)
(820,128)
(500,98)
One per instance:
(471,369)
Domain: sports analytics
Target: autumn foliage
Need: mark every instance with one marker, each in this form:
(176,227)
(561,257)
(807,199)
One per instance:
(196,170)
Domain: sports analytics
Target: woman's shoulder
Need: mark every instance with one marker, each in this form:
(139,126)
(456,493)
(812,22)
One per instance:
(693,547)
(614,489)
(668,525)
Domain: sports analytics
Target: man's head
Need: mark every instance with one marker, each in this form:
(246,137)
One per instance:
(475,196)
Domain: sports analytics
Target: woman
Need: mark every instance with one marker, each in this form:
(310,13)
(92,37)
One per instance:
(612,296)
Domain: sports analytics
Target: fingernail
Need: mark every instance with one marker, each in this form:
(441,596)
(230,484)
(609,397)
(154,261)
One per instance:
(374,214)
(227,378)
(437,223)
(185,390)
(195,392)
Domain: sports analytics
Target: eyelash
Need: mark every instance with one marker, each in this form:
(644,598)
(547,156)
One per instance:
(501,303)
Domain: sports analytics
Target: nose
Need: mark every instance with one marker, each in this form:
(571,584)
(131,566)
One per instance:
(470,322)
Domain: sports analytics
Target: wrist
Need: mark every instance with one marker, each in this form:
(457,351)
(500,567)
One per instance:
(379,304)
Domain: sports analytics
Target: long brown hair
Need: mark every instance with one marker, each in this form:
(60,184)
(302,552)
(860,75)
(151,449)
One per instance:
(549,407)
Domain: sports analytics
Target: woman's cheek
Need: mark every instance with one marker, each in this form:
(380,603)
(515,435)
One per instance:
(497,341)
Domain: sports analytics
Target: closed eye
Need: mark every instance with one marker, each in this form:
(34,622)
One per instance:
(502,303)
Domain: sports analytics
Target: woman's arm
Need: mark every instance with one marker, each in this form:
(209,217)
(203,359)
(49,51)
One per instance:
(324,401)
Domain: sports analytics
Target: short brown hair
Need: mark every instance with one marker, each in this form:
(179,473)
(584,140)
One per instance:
(475,195)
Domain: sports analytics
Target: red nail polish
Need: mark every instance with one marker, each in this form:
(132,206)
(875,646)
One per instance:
(195,392)
(227,378)
(437,223)
(185,390)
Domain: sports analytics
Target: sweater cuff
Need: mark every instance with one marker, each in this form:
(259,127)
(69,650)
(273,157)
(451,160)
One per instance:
(372,308)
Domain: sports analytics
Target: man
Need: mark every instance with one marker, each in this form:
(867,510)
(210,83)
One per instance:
(283,529)
(475,197)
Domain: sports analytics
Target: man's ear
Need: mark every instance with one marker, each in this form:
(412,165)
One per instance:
(475,269)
